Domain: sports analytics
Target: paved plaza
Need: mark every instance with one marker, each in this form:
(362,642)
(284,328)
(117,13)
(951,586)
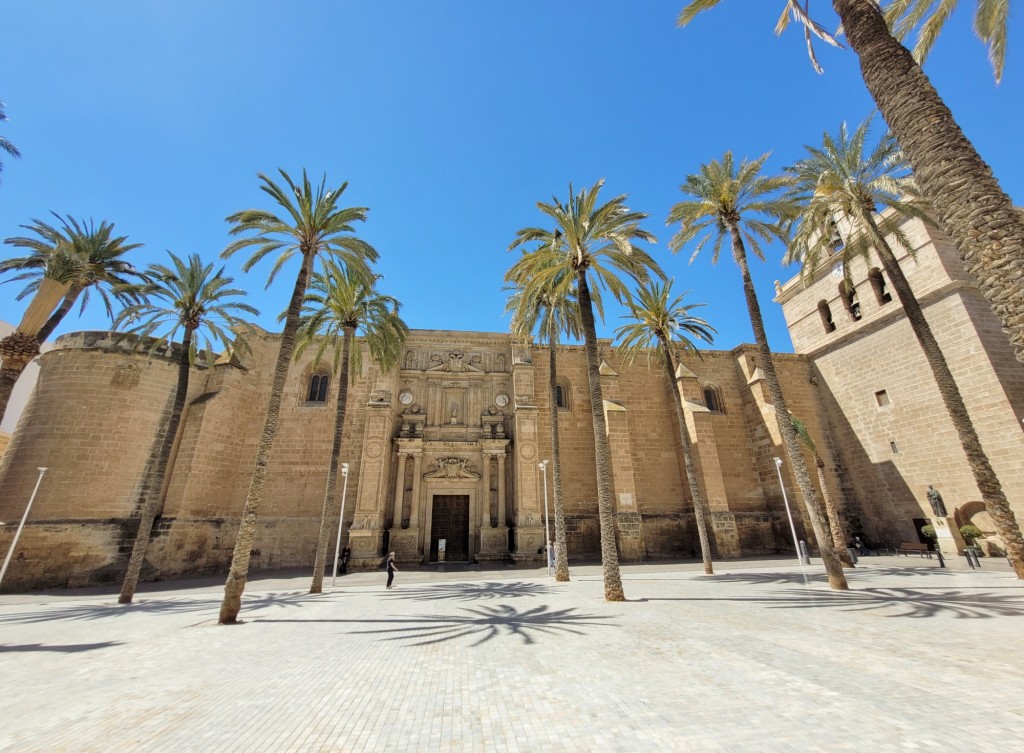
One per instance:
(912,658)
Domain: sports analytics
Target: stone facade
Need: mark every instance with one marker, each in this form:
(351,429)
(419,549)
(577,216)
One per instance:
(448,445)
(886,418)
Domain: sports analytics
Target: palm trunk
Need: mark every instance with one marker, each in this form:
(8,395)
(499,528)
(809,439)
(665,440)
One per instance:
(691,471)
(833,567)
(239,572)
(16,351)
(332,509)
(970,204)
(561,553)
(984,476)
(602,453)
(58,316)
(152,487)
(14,363)
(835,522)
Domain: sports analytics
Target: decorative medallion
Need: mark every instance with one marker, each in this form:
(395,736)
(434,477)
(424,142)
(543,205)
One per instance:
(405,397)
(501,400)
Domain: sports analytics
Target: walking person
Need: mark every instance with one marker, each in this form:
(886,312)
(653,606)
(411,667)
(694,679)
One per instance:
(391,568)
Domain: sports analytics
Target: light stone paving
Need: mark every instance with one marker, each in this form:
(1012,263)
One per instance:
(913,658)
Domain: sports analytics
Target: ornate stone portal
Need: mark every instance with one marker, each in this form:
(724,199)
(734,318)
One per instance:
(448,468)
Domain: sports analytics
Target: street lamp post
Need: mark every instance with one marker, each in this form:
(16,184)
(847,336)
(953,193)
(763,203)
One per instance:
(341,519)
(785,501)
(17,534)
(543,465)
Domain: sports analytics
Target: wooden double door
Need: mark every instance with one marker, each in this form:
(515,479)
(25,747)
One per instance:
(449,520)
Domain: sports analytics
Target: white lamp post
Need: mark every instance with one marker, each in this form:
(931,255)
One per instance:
(543,465)
(17,534)
(341,519)
(785,501)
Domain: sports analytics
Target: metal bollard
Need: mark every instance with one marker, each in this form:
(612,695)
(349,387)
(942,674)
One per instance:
(805,557)
(972,558)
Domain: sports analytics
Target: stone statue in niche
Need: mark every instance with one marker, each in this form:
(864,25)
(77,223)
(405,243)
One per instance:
(499,362)
(455,413)
(410,359)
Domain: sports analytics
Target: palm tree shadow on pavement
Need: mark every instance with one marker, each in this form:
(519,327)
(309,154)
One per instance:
(69,648)
(167,605)
(487,622)
(908,602)
(471,591)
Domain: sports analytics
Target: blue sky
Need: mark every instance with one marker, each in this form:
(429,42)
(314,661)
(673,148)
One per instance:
(449,120)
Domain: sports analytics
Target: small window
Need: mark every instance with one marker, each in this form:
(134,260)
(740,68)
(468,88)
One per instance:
(835,238)
(878,284)
(882,398)
(826,316)
(318,388)
(713,400)
(894,448)
(562,396)
(849,295)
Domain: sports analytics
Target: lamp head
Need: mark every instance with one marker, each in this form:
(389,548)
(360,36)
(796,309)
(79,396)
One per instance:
(344,469)
(543,465)
(778,462)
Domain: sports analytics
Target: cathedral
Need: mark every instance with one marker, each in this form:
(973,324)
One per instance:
(446,452)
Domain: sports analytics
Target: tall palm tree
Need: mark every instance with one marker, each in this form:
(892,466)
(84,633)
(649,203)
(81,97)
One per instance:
(190,298)
(6,145)
(841,179)
(593,243)
(339,306)
(550,313)
(835,522)
(312,225)
(734,202)
(65,261)
(660,325)
(967,199)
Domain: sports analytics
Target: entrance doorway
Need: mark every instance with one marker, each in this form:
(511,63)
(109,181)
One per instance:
(450,521)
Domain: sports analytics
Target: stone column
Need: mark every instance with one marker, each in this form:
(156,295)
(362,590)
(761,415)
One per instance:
(485,481)
(399,492)
(417,472)
(501,490)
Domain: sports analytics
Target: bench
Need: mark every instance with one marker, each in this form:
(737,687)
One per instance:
(907,548)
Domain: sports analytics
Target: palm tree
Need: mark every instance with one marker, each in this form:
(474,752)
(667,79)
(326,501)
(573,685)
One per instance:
(839,179)
(313,225)
(990,24)
(590,242)
(6,145)
(64,263)
(967,199)
(735,202)
(550,312)
(193,299)
(660,325)
(339,306)
(835,522)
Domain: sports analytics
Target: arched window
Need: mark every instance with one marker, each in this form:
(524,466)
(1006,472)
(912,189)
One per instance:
(318,388)
(826,316)
(835,238)
(878,284)
(849,295)
(713,399)
(562,396)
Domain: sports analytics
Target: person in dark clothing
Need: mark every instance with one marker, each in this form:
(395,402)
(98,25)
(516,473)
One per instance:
(346,555)
(391,569)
